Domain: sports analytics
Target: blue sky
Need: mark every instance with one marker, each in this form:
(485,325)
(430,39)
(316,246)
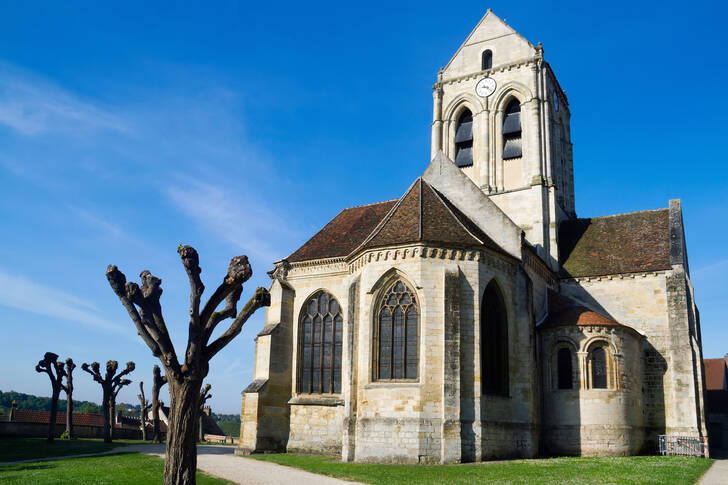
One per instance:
(244,128)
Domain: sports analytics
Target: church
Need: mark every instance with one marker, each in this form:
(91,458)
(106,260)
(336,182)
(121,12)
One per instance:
(477,317)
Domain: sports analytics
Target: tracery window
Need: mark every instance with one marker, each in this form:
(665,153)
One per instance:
(512,130)
(494,341)
(397,326)
(464,140)
(598,368)
(487,59)
(565,373)
(320,345)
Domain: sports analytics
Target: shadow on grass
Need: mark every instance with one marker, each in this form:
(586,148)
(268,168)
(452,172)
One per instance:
(20,468)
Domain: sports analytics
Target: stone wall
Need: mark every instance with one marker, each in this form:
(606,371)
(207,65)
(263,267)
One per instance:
(40,430)
(316,429)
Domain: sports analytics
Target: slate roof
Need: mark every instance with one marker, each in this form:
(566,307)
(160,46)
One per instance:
(625,243)
(343,233)
(563,311)
(425,215)
(715,374)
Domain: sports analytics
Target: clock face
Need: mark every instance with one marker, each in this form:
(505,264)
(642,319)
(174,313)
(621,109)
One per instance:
(485,87)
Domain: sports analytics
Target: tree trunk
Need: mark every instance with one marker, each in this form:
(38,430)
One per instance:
(54,413)
(107,422)
(112,417)
(157,438)
(181,459)
(69,416)
(143,422)
(200,431)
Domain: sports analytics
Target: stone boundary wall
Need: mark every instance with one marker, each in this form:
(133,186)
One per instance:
(40,430)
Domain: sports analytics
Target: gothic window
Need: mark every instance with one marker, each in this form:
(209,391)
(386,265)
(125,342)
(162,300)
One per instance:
(487,59)
(396,334)
(494,341)
(598,368)
(512,131)
(320,345)
(564,369)
(464,140)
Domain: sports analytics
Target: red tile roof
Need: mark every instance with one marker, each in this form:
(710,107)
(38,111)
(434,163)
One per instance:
(343,233)
(563,311)
(716,374)
(625,243)
(423,214)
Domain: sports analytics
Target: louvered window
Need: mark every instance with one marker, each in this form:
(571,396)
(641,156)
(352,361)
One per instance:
(512,131)
(494,342)
(464,140)
(320,345)
(397,329)
(565,372)
(487,60)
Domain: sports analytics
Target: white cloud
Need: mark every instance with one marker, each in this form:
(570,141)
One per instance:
(31,106)
(245,223)
(23,294)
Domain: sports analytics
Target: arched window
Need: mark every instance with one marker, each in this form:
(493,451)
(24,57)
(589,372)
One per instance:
(396,334)
(487,59)
(464,140)
(320,345)
(512,131)
(494,341)
(564,369)
(598,368)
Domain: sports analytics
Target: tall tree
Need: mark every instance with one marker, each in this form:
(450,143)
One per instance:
(204,396)
(143,410)
(157,383)
(111,383)
(54,369)
(185,378)
(68,389)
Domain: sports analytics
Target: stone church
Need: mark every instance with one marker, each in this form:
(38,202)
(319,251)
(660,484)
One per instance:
(477,317)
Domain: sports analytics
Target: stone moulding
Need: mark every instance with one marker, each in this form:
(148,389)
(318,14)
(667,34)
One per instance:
(502,68)
(317,401)
(616,276)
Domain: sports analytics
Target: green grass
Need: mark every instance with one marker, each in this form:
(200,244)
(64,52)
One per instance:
(12,449)
(627,470)
(98,470)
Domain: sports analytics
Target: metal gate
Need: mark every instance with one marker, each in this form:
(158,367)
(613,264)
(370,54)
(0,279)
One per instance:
(682,445)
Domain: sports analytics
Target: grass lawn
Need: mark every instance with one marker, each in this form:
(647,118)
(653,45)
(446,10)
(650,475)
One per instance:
(12,449)
(98,470)
(628,470)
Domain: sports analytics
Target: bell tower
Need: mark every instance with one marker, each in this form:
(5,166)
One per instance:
(501,116)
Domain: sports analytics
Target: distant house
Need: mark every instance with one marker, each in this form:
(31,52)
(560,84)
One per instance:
(210,429)
(716,404)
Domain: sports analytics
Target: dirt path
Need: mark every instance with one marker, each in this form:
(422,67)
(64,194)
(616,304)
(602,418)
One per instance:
(716,474)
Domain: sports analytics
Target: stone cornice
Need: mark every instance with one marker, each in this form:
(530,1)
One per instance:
(317,267)
(394,253)
(529,61)
(618,276)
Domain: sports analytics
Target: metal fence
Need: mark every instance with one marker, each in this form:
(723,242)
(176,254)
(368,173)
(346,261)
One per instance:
(682,445)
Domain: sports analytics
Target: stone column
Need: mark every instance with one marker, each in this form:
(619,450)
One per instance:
(451,442)
(436,122)
(481,158)
(349,374)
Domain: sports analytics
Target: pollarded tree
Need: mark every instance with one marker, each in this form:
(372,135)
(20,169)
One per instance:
(54,369)
(185,378)
(111,383)
(68,389)
(157,383)
(204,396)
(143,410)
(116,387)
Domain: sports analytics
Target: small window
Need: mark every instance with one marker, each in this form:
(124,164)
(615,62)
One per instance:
(397,328)
(464,140)
(487,59)
(564,368)
(598,359)
(319,359)
(512,131)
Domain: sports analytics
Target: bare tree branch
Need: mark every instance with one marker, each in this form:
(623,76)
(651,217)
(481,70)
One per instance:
(239,271)
(259,300)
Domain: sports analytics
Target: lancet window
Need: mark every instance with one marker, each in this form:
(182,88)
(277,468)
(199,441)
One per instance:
(564,369)
(320,333)
(464,140)
(487,59)
(494,341)
(397,328)
(512,131)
